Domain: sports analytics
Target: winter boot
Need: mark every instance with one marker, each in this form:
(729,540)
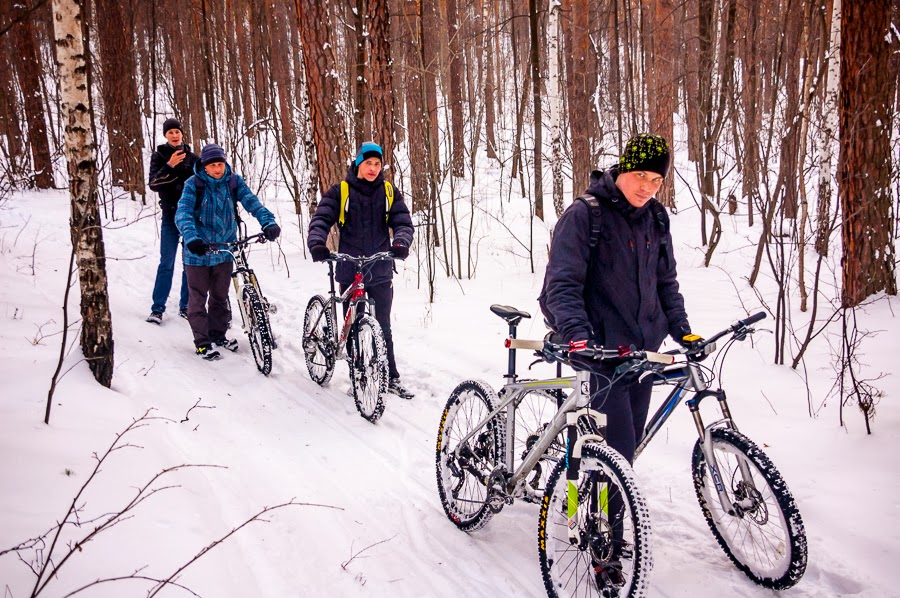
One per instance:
(155,317)
(226,343)
(208,353)
(396,388)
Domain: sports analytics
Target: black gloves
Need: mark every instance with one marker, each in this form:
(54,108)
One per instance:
(401,252)
(198,247)
(272,232)
(319,253)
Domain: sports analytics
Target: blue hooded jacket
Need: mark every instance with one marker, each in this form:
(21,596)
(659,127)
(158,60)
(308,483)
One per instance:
(214,221)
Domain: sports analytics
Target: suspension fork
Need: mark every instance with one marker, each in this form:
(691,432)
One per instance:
(574,446)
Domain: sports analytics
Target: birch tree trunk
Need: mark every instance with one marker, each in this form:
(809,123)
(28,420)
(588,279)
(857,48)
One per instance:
(554,95)
(80,149)
(829,131)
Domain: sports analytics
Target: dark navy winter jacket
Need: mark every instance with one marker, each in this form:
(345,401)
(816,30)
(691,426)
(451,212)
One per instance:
(365,230)
(168,181)
(628,294)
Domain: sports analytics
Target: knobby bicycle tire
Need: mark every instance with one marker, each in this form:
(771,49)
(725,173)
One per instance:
(367,353)
(463,482)
(614,527)
(258,330)
(318,344)
(766,542)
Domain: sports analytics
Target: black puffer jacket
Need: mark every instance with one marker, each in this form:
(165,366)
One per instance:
(628,294)
(168,181)
(365,229)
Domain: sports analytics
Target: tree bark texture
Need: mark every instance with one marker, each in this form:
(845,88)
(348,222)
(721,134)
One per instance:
(381,94)
(28,68)
(864,165)
(326,111)
(80,149)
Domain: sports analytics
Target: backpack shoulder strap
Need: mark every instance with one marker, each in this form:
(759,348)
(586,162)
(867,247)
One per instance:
(593,205)
(345,198)
(199,190)
(661,218)
(233,187)
(388,199)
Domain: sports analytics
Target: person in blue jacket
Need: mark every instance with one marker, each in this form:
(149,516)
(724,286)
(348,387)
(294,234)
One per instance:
(211,219)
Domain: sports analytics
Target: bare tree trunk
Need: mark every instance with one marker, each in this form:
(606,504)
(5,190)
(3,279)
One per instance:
(326,112)
(554,95)
(662,108)
(120,98)
(536,78)
(29,69)
(864,167)
(750,99)
(490,117)
(382,97)
(416,110)
(87,233)
(829,130)
(578,46)
(362,129)
(457,112)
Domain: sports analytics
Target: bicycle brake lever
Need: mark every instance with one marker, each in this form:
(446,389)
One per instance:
(535,362)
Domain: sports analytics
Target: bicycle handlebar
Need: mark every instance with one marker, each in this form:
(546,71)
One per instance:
(564,351)
(361,260)
(257,238)
(741,328)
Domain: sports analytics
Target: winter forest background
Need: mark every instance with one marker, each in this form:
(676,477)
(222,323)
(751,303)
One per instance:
(783,115)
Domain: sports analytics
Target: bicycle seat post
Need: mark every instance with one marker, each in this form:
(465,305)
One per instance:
(331,276)
(511,370)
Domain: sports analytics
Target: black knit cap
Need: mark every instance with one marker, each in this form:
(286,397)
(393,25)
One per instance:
(646,152)
(172,123)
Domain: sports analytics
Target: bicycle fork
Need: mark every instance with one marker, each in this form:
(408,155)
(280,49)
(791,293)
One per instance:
(574,445)
(736,506)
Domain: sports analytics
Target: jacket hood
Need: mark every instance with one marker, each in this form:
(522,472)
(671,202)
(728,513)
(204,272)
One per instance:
(603,187)
(362,184)
(201,172)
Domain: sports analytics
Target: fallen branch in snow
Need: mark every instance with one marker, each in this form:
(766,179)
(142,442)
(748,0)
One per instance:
(353,555)
(197,405)
(45,559)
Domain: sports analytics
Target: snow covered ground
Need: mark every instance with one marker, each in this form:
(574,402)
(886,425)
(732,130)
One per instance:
(283,437)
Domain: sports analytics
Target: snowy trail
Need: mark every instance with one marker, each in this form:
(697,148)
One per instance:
(284,437)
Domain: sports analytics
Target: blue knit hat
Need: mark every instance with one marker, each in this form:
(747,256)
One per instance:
(369,149)
(211,153)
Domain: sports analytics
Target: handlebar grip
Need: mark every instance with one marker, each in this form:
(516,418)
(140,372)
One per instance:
(659,357)
(518,343)
(752,319)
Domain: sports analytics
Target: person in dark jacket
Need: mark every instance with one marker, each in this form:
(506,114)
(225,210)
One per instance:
(624,291)
(212,220)
(368,223)
(170,166)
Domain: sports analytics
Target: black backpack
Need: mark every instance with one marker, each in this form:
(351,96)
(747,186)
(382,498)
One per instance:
(200,189)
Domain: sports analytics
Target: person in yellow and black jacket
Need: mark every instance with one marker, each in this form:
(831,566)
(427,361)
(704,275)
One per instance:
(372,210)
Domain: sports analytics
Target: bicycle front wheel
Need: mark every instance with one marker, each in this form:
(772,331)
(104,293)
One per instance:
(367,352)
(611,556)
(258,330)
(761,530)
(464,472)
(318,340)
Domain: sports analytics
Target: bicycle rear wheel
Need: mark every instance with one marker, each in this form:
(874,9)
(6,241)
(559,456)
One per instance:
(463,479)
(367,353)
(258,330)
(763,533)
(318,340)
(612,556)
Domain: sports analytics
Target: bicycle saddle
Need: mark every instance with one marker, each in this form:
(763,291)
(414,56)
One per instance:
(510,314)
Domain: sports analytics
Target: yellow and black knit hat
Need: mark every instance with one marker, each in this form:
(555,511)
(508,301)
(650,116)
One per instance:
(646,152)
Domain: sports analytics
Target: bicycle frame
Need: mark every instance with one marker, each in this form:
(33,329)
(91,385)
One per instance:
(355,294)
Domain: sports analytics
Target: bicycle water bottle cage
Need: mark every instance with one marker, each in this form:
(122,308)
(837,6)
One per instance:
(512,315)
